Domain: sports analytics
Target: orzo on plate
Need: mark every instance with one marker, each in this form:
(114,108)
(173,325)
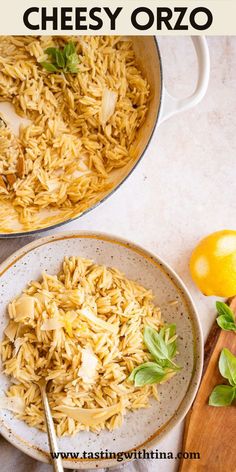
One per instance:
(82,329)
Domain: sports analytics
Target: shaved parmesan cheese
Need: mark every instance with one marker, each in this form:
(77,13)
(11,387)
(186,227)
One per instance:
(80,173)
(15,404)
(24,308)
(53,185)
(11,330)
(90,416)
(109,99)
(76,296)
(42,298)
(82,164)
(52,324)
(69,318)
(89,315)
(18,343)
(88,368)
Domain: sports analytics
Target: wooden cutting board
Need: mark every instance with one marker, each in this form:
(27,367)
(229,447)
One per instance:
(211,431)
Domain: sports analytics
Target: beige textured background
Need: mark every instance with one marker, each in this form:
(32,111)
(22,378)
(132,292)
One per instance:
(183,189)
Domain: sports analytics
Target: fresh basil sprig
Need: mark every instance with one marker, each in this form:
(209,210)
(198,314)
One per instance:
(169,332)
(162,347)
(226,319)
(65,60)
(147,374)
(227,366)
(224,395)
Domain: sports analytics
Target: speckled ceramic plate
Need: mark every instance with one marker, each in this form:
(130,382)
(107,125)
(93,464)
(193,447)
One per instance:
(143,428)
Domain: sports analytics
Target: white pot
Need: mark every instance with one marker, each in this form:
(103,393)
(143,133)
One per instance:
(162,106)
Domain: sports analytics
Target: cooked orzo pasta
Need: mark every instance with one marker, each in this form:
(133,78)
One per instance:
(83,126)
(83,330)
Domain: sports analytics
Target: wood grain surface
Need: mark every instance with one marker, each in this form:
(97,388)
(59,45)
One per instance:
(211,430)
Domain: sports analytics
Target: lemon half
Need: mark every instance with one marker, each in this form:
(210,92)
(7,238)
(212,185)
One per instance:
(213,264)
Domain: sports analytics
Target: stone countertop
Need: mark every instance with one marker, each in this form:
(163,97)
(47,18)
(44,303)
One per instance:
(183,189)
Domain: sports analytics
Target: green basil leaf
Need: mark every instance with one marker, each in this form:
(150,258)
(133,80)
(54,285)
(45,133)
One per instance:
(141,366)
(51,52)
(73,70)
(172,347)
(69,49)
(154,372)
(147,377)
(66,59)
(147,374)
(49,67)
(169,364)
(227,366)
(72,63)
(168,327)
(60,60)
(155,344)
(222,395)
(224,310)
(224,324)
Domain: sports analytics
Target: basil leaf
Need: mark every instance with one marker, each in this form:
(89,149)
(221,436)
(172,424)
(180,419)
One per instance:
(168,327)
(155,372)
(148,377)
(147,374)
(66,59)
(72,63)
(224,310)
(60,60)
(227,366)
(141,366)
(69,49)
(73,70)
(169,364)
(49,67)
(222,395)
(171,347)
(51,52)
(224,324)
(155,344)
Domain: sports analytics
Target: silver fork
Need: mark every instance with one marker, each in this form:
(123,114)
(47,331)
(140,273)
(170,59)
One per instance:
(52,438)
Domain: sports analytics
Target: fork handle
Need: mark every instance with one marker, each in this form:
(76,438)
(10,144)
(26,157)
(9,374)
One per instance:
(52,438)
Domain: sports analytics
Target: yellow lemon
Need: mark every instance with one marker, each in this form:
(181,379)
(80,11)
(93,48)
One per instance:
(213,264)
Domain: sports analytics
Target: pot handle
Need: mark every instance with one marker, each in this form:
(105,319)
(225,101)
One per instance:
(170,105)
